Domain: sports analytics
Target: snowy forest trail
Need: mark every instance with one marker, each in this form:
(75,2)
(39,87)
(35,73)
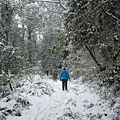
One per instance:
(62,105)
(49,102)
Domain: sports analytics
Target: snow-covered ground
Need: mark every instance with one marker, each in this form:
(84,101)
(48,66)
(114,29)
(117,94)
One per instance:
(45,100)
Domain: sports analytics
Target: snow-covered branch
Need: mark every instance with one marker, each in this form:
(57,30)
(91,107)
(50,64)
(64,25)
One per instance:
(62,5)
(113,16)
(52,10)
(59,2)
(49,1)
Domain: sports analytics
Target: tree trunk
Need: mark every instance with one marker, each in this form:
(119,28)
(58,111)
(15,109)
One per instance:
(92,55)
(29,47)
(10,87)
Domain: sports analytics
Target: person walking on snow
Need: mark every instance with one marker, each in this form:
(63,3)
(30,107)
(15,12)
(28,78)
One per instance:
(64,76)
(47,71)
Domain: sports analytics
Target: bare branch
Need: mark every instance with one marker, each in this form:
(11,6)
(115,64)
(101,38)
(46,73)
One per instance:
(50,1)
(112,15)
(62,5)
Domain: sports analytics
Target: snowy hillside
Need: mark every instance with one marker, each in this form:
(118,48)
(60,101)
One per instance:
(45,100)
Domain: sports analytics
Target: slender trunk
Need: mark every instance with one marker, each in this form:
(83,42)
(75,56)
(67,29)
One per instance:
(10,87)
(92,55)
(29,47)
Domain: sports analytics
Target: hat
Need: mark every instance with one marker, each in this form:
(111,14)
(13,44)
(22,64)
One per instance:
(64,68)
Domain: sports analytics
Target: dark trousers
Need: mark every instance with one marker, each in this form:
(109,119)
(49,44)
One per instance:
(64,85)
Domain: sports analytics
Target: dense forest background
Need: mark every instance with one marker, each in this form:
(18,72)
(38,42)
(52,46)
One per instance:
(37,34)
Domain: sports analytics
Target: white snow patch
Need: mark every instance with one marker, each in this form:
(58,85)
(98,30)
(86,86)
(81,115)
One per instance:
(49,102)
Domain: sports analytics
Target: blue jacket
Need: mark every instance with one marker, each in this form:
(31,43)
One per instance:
(64,75)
